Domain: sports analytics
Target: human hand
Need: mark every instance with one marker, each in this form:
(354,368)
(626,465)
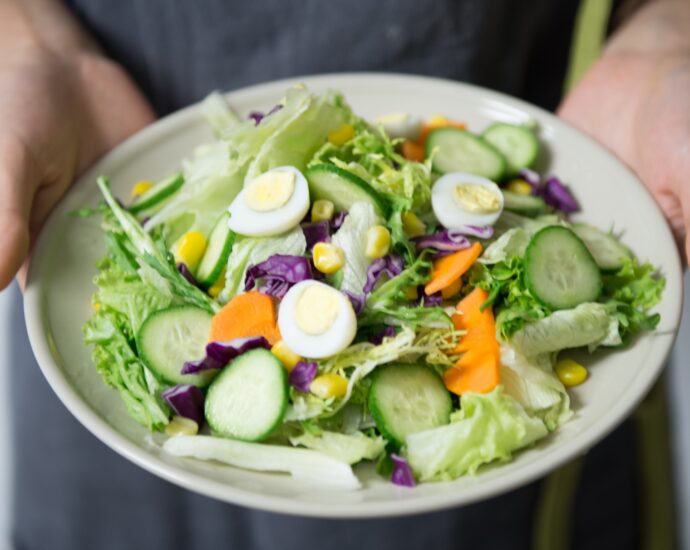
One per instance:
(62,106)
(636,101)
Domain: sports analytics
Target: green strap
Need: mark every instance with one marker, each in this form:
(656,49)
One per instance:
(552,518)
(655,469)
(553,514)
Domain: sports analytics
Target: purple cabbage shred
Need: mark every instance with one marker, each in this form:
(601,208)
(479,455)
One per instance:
(186,400)
(338,219)
(388,332)
(219,354)
(402,473)
(278,273)
(184,271)
(316,232)
(357,301)
(258,116)
(302,375)
(391,265)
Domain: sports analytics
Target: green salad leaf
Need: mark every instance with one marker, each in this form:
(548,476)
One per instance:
(350,448)
(488,427)
(115,357)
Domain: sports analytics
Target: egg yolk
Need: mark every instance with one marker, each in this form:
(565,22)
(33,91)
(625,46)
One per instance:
(317,309)
(270,191)
(476,198)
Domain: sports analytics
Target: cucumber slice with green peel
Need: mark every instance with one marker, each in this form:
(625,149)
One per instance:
(217,252)
(608,252)
(559,270)
(518,144)
(248,399)
(170,337)
(462,151)
(157,194)
(406,399)
(526,205)
(342,188)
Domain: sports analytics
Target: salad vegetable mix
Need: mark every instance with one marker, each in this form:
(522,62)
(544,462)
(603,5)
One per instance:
(312,290)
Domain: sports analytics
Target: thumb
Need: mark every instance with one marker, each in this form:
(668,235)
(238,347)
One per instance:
(16,194)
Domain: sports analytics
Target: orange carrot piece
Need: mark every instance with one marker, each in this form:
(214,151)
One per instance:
(247,314)
(412,150)
(478,369)
(451,290)
(480,377)
(468,309)
(450,268)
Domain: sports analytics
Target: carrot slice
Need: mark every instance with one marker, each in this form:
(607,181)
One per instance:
(480,377)
(451,290)
(468,309)
(247,314)
(412,150)
(478,369)
(450,268)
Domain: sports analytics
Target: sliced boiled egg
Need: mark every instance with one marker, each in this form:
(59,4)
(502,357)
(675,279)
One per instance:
(401,125)
(461,199)
(271,203)
(316,320)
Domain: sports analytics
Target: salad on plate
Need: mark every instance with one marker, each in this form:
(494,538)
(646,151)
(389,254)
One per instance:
(313,290)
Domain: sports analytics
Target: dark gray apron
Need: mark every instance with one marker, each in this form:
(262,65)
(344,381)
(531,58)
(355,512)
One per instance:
(73,493)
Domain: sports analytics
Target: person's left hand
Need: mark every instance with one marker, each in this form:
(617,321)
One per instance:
(638,105)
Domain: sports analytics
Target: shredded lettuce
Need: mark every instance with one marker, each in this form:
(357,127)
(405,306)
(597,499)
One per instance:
(589,324)
(115,357)
(388,304)
(349,448)
(534,385)
(488,427)
(352,239)
(249,251)
(220,117)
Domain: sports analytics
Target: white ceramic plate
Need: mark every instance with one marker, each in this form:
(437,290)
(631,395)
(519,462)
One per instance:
(59,288)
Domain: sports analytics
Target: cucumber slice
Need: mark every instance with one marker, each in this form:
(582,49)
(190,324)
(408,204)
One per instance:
(526,205)
(461,151)
(559,270)
(157,194)
(342,188)
(170,337)
(518,144)
(249,397)
(406,399)
(608,252)
(217,252)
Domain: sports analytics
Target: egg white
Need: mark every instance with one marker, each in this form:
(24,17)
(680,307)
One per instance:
(252,223)
(450,213)
(316,346)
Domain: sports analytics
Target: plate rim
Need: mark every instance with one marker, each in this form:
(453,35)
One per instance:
(35,318)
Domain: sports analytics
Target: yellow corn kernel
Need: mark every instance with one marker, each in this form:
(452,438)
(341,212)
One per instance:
(96,307)
(328,258)
(140,187)
(322,210)
(328,385)
(452,289)
(519,186)
(286,356)
(378,242)
(570,372)
(190,249)
(216,288)
(438,120)
(180,425)
(341,135)
(412,225)
(411,293)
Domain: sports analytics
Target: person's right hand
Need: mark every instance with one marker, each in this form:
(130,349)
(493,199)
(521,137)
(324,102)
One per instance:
(60,109)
